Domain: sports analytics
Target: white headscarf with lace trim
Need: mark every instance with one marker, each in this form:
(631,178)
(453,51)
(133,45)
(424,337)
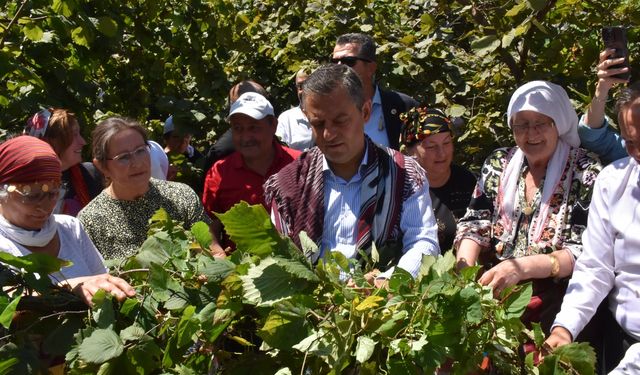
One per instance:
(551,100)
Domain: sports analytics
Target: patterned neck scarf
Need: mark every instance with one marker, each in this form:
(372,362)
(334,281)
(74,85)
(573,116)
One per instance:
(297,196)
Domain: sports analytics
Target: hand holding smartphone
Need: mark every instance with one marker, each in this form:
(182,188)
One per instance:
(615,37)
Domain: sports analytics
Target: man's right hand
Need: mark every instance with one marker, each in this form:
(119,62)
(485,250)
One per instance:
(559,336)
(605,73)
(217,251)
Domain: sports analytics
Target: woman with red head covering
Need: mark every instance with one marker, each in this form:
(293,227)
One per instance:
(81,182)
(30,182)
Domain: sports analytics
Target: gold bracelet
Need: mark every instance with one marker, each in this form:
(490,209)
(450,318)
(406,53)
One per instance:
(555,266)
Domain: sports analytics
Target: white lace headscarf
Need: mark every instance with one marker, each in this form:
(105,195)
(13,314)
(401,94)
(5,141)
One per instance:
(551,100)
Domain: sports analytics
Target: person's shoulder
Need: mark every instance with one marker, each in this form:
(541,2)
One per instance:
(500,153)
(292,152)
(618,170)
(587,159)
(68,224)
(171,187)
(461,173)
(291,112)
(66,220)
(397,97)
(95,206)
(234,159)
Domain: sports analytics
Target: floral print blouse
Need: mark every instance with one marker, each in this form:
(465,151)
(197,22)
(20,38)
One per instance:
(568,209)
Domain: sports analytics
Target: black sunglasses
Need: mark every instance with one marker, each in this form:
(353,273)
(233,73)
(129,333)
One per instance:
(349,61)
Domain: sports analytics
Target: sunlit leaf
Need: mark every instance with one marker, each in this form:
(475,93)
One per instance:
(369,303)
(250,228)
(81,36)
(516,9)
(364,349)
(33,32)
(7,311)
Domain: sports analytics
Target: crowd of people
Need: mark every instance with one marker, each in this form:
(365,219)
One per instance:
(355,165)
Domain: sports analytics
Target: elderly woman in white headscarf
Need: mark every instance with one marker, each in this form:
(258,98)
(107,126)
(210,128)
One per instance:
(529,208)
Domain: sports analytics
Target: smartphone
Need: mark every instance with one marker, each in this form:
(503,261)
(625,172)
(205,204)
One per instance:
(615,37)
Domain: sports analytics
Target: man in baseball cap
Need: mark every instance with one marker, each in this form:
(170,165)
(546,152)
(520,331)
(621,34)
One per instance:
(258,155)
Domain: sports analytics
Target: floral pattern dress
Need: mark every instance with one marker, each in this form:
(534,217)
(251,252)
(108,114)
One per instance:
(563,227)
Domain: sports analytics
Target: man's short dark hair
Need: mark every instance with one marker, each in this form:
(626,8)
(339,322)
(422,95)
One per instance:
(328,77)
(628,97)
(366,43)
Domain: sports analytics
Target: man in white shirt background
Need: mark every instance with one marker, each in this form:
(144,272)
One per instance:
(293,126)
(610,263)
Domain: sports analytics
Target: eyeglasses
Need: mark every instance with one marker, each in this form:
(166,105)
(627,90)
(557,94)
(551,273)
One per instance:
(29,196)
(125,158)
(349,61)
(526,127)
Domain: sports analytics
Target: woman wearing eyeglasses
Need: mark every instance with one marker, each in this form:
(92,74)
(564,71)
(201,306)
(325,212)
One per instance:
(81,182)
(529,208)
(30,182)
(117,220)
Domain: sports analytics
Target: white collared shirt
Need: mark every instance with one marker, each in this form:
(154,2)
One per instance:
(341,207)
(610,261)
(294,129)
(375,128)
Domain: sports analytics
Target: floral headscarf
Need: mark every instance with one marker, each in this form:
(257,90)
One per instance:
(421,122)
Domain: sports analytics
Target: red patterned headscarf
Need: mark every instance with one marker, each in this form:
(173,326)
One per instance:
(421,122)
(27,159)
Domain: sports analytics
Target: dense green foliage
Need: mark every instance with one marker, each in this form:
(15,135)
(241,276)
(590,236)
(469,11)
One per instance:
(146,59)
(266,310)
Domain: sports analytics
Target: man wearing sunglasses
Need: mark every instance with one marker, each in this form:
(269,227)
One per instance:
(358,51)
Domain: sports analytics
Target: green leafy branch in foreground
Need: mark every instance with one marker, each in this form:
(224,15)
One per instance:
(266,309)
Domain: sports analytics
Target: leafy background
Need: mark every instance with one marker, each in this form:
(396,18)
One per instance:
(147,59)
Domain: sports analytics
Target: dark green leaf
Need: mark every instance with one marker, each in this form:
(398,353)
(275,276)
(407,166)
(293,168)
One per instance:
(103,312)
(107,26)
(517,300)
(485,45)
(101,346)
(282,331)
(536,5)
